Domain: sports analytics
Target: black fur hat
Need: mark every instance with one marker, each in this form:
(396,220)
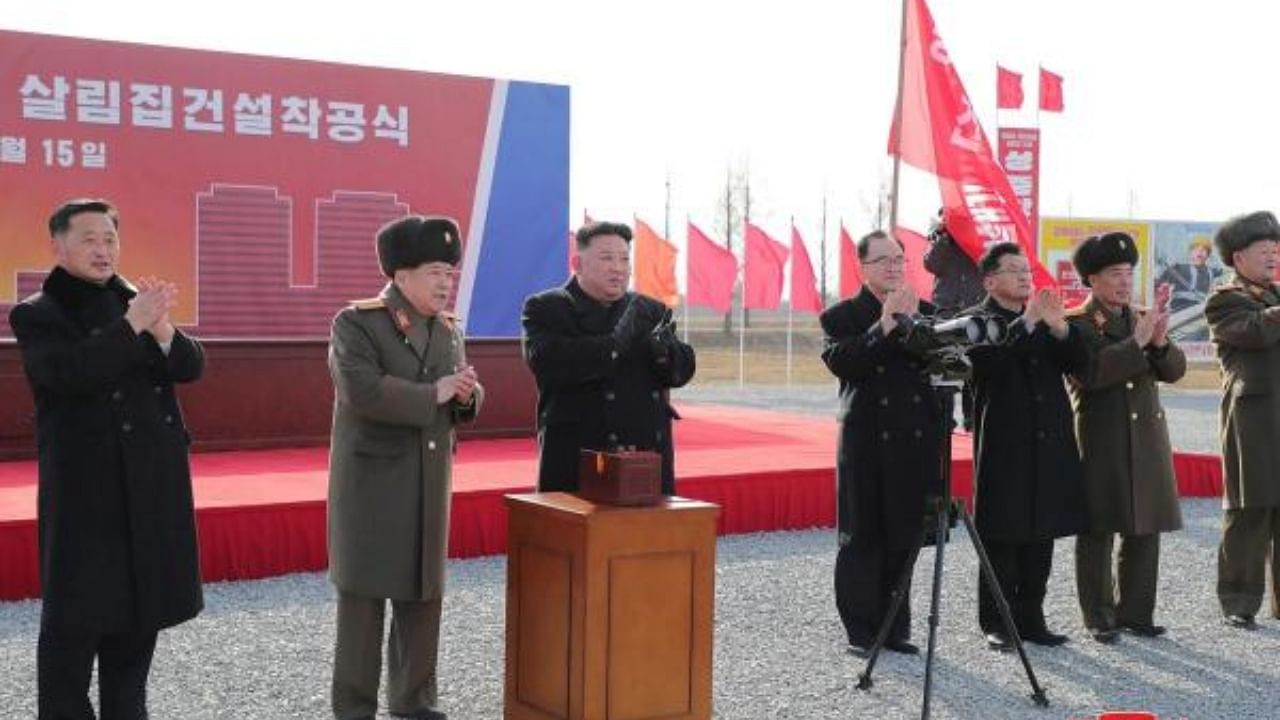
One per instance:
(417,239)
(1098,252)
(1242,231)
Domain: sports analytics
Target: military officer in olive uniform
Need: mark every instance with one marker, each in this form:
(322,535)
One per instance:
(401,385)
(604,359)
(888,458)
(1244,322)
(1124,441)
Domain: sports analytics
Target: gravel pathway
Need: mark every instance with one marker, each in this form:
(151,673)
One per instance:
(263,649)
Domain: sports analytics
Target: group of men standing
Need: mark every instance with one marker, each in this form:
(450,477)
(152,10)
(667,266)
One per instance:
(118,549)
(1069,436)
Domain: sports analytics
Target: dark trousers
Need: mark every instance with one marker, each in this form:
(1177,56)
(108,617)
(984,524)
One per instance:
(866,576)
(64,662)
(1022,569)
(1129,595)
(1250,541)
(411,656)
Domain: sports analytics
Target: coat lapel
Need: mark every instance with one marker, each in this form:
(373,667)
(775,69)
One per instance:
(413,327)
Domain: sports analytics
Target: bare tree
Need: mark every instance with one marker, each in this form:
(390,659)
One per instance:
(733,209)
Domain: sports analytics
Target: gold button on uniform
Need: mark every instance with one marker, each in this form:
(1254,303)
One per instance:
(1133,416)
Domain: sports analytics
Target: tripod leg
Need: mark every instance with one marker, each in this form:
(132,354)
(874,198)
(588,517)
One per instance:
(989,575)
(899,596)
(935,603)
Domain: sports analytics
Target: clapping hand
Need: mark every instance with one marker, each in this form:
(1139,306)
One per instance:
(149,309)
(902,301)
(1051,310)
(458,386)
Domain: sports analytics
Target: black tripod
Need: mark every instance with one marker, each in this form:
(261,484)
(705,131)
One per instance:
(941,509)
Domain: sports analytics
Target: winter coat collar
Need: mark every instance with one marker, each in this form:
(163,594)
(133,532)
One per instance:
(75,294)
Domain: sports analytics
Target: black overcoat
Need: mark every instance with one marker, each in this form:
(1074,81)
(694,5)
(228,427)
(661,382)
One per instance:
(891,426)
(116,520)
(1027,471)
(591,393)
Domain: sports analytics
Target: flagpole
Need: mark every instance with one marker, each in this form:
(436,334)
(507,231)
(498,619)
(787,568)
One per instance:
(897,122)
(741,324)
(791,301)
(822,239)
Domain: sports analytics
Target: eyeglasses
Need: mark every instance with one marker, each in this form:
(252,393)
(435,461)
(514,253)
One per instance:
(888,261)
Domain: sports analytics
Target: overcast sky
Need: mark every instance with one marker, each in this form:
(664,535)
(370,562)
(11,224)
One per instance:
(1170,107)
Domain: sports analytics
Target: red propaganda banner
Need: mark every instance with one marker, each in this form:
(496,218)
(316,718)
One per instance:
(850,277)
(713,271)
(1050,91)
(1008,89)
(1019,153)
(257,184)
(939,133)
(763,259)
(804,286)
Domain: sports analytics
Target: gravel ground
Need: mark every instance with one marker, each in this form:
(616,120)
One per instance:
(263,649)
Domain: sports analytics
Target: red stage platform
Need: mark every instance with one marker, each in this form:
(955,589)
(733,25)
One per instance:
(262,513)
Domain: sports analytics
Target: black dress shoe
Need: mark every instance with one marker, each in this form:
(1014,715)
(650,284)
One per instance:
(1106,636)
(1242,622)
(1045,637)
(905,647)
(999,641)
(424,715)
(1144,629)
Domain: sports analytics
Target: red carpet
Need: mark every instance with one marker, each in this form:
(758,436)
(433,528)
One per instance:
(262,513)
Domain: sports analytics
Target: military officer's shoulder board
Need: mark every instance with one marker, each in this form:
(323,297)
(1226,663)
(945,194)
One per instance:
(375,303)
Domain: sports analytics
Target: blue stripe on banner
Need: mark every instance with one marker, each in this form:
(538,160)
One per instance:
(524,248)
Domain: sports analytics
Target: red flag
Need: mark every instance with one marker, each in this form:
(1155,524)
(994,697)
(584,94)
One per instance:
(939,133)
(762,264)
(1008,89)
(712,272)
(804,285)
(850,277)
(655,265)
(1050,91)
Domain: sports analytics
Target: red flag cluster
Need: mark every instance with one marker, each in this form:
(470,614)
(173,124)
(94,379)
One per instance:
(1009,94)
(938,132)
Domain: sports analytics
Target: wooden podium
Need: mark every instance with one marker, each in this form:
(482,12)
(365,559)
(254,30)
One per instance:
(609,609)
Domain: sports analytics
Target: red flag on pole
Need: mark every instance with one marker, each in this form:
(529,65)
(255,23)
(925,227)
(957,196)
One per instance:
(850,277)
(762,264)
(655,265)
(914,272)
(804,284)
(1008,89)
(712,272)
(1050,91)
(940,134)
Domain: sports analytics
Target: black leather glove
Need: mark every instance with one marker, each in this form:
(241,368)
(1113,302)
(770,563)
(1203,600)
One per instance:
(632,327)
(662,338)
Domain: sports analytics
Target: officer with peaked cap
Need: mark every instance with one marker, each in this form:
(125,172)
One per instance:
(1244,323)
(1124,442)
(401,385)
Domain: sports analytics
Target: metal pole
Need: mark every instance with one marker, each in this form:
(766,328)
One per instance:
(897,121)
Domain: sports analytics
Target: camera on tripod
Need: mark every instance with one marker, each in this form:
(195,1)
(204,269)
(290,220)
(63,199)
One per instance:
(944,343)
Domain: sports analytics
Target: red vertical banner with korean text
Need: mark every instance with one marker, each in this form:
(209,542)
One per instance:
(1018,150)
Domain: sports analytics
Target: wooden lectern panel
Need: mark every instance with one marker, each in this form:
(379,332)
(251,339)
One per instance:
(544,632)
(650,635)
(609,609)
